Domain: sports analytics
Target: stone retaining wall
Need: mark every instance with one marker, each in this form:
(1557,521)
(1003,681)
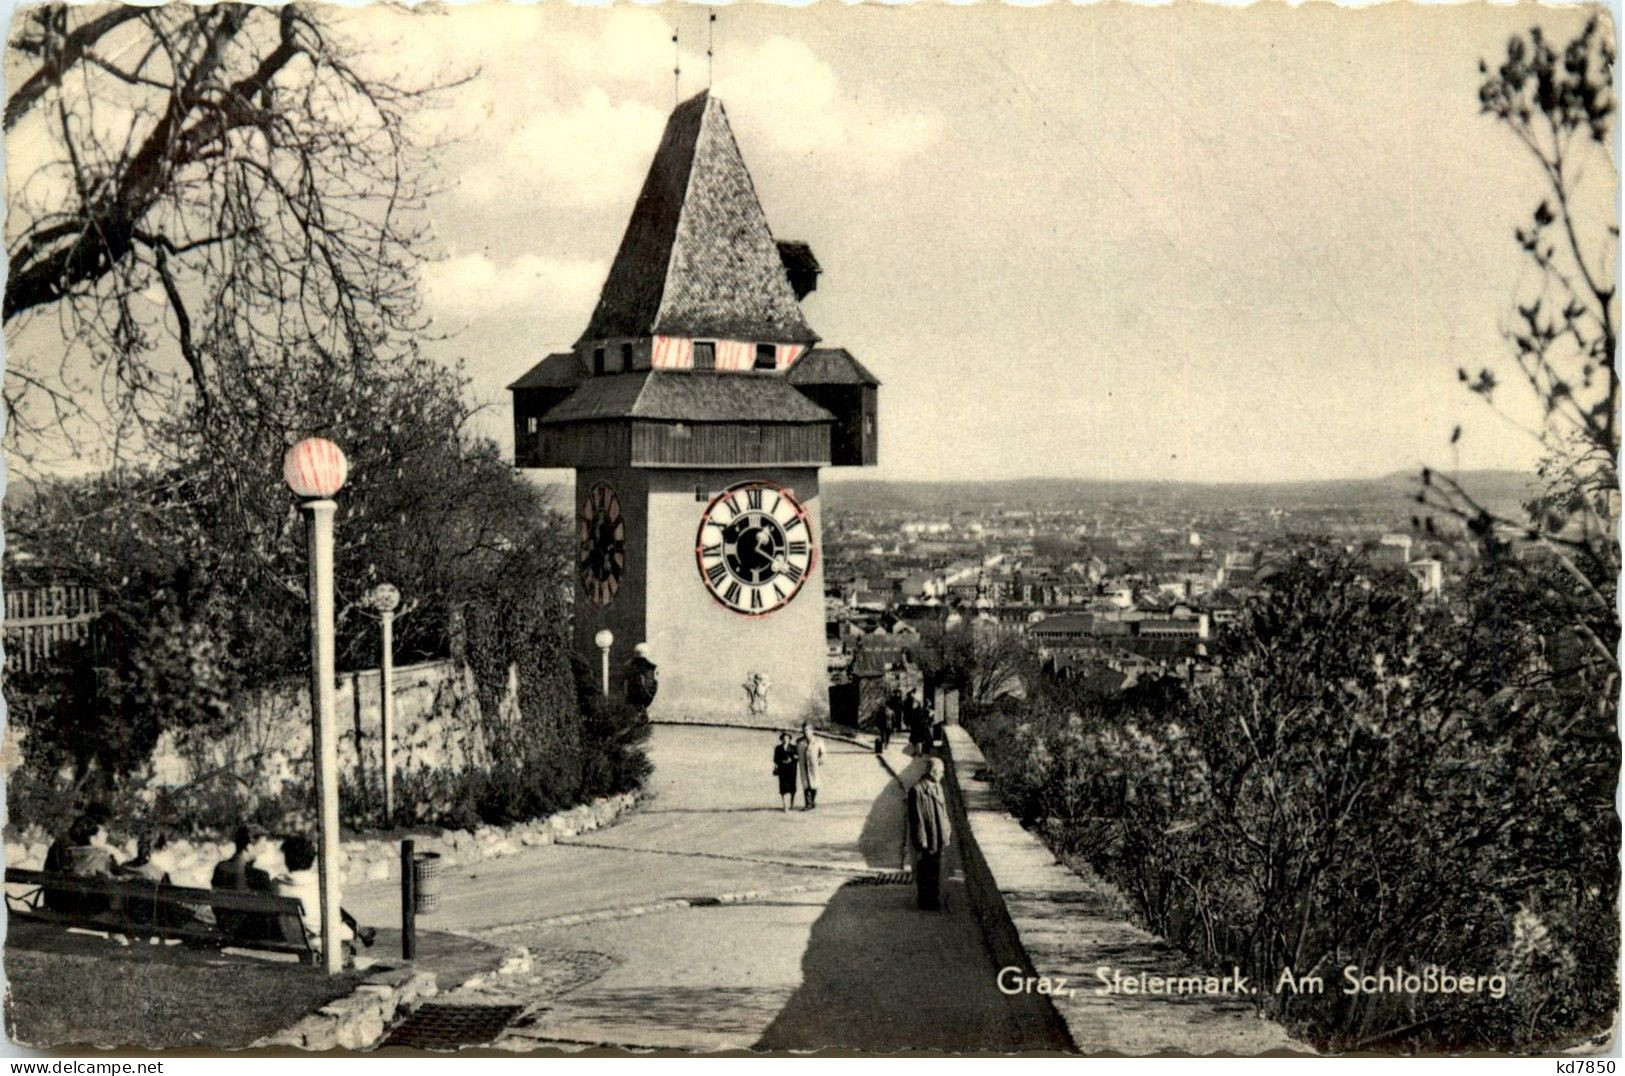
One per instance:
(1053,923)
(191,863)
(265,749)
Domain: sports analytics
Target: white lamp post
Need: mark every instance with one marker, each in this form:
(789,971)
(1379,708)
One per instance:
(315,469)
(605,639)
(386,598)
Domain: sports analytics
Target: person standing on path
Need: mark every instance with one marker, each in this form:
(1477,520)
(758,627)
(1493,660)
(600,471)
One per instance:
(785,764)
(642,679)
(886,718)
(928,834)
(810,751)
(918,719)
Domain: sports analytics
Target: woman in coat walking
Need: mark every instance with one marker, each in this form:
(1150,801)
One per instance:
(810,751)
(928,834)
(784,768)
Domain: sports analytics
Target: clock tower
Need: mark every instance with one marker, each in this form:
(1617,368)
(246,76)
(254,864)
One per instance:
(697,411)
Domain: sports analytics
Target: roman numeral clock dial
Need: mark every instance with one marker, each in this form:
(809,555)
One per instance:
(600,543)
(755,547)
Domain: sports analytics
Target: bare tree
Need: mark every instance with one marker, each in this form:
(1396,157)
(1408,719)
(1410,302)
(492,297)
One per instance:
(983,662)
(1560,106)
(199,195)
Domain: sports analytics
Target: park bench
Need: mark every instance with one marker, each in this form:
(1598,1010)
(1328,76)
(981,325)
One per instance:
(139,908)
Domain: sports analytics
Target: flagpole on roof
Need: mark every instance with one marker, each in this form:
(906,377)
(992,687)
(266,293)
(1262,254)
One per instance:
(710,42)
(676,70)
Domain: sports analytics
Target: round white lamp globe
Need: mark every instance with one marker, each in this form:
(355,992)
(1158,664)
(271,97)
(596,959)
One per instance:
(315,467)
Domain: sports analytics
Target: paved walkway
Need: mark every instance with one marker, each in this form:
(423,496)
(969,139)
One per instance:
(712,920)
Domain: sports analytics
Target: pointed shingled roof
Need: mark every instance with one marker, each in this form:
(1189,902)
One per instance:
(698,259)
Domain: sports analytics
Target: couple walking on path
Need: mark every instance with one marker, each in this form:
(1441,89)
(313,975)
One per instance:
(798,762)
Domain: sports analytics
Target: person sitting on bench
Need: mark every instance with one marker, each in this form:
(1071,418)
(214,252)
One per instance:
(144,865)
(82,853)
(144,916)
(56,862)
(237,874)
(304,881)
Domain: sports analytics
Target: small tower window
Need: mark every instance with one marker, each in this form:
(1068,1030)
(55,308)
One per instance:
(767,357)
(530,424)
(626,356)
(597,360)
(705,355)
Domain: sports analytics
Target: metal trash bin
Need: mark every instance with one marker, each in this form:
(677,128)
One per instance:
(426,881)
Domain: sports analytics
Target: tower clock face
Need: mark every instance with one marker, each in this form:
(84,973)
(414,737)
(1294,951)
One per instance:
(755,547)
(600,543)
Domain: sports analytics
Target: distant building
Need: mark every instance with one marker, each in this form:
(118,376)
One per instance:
(1222,609)
(1175,588)
(1173,627)
(1393,551)
(918,585)
(1240,569)
(1429,575)
(1063,630)
(1121,596)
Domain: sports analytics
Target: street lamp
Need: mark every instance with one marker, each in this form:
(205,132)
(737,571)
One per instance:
(315,469)
(605,639)
(385,598)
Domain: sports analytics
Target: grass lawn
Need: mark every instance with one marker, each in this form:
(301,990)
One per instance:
(89,991)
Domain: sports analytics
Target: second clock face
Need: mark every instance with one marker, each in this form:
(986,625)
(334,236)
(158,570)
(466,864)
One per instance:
(600,543)
(755,547)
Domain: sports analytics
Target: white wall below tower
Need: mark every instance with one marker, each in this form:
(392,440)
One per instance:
(707,652)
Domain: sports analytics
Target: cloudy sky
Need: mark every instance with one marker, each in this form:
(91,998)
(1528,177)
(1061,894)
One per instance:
(1180,242)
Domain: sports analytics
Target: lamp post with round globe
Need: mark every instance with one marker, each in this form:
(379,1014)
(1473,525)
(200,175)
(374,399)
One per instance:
(315,469)
(385,598)
(605,639)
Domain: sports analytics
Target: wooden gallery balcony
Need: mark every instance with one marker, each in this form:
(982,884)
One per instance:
(677,444)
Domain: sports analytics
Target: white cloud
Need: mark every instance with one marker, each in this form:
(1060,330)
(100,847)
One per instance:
(591,152)
(473,285)
(572,117)
(783,90)
(390,41)
(629,45)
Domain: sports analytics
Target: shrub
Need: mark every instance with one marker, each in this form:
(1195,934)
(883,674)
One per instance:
(1373,781)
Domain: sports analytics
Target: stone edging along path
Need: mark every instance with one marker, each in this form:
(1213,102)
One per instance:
(360,1019)
(374,859)
(1052,923)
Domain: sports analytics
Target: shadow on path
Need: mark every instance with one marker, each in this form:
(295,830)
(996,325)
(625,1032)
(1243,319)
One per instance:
(881,840)
(878,975)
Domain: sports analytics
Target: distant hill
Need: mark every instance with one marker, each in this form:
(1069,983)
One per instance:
(1502,491)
